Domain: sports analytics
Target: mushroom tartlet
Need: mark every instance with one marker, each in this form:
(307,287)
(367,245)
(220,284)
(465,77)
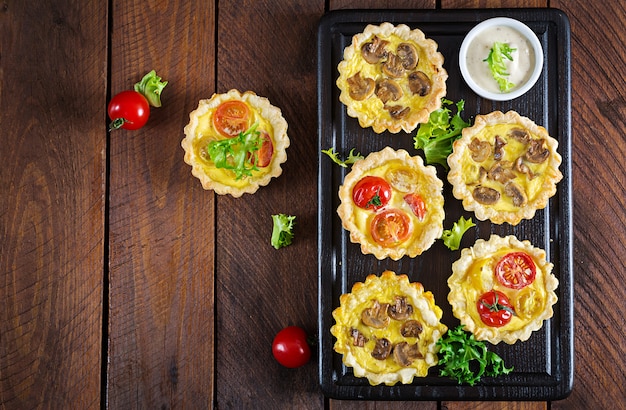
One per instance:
(502,289)
(387,329)
(391,78)
(392,204)
(235,142)
(504,167)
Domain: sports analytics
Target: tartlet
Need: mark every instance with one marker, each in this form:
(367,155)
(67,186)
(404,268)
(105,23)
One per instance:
(391,78)
(504,168)
(502,289)
(255,115)
(392,204)
(387,329)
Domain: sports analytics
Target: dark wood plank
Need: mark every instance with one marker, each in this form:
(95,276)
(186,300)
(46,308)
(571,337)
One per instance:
(52,111)
(161,352)
(269,49)
(599,110)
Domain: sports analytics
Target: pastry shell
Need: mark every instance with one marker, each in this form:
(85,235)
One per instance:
(384,289)
(198,132)
(463,169)
(371,112)
(430,189)
(464,293)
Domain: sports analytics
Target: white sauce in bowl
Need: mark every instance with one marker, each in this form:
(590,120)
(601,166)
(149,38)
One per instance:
(520,69)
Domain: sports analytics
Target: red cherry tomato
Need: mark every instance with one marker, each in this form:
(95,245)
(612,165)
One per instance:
(371,192)
(264,154)
(231,118)
(516,270)
(495,309)
(417,205)
(290,347)
(390,227)
(129,110)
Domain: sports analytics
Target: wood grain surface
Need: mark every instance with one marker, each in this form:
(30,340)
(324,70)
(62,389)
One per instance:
(125,285)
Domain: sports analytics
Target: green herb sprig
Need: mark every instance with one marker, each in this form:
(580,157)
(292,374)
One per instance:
(452,237)
(497,65)
(238,154)
(352,157)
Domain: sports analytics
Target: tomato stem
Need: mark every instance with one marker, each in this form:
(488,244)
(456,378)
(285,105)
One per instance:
(117,124)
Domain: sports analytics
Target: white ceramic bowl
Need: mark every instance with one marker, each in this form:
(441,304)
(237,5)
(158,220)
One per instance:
(535,49)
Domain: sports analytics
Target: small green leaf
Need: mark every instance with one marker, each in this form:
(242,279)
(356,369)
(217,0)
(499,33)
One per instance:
(238,154)
(497,65)
(282,231)
(151,87)
(452,237)
(352,157)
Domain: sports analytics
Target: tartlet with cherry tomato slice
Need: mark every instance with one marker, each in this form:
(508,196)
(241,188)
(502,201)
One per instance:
(392,204)
(502,289)
(235,142)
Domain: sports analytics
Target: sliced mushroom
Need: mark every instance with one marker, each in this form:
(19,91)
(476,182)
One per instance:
(520,166)
(498,148)
(397,111)
(393,66)
(486,195)
(516,193)
(375,50)
(480,150)
(501,172)
(407,53)
(382,349)
(411,328)
(376,316)
(400,310)
(358,338)
(537,151)
(521,135)
(419,83)
(360,88)
(405,354)
(388,90)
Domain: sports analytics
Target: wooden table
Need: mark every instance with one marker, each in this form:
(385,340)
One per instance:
(125,285)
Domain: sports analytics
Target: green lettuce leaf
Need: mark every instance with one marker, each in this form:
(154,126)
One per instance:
(452,237)
(151,87)
(282,231)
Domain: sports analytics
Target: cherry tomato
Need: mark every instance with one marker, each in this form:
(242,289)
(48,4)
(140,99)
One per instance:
(231,118)
(290,347)
(371,192)
(495,309)
(264,154)
(129,110)
(516,270)
(417,205)
(390,227)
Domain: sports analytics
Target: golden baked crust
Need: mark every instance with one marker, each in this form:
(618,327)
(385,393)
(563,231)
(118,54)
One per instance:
(407,178)
(378,70)
(379,309)
(474,275)
(504,167)
(200,131)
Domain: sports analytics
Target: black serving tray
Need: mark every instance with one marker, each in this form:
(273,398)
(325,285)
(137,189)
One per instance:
(544,363)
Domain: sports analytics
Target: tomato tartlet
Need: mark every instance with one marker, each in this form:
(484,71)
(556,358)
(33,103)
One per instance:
(502,289)
(387,329)
(392,204)
(504,167)
(235,142)
(391,78)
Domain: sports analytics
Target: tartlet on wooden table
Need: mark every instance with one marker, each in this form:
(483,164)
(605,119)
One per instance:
(409,217)
(391,78)
(387,329)
(202,129)
(504,167)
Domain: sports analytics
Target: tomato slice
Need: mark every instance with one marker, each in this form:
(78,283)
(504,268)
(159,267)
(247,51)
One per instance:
(417,205)
(516,270)
(231,118)
(390,227)
(371,192)
(494,308)
(265,153)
